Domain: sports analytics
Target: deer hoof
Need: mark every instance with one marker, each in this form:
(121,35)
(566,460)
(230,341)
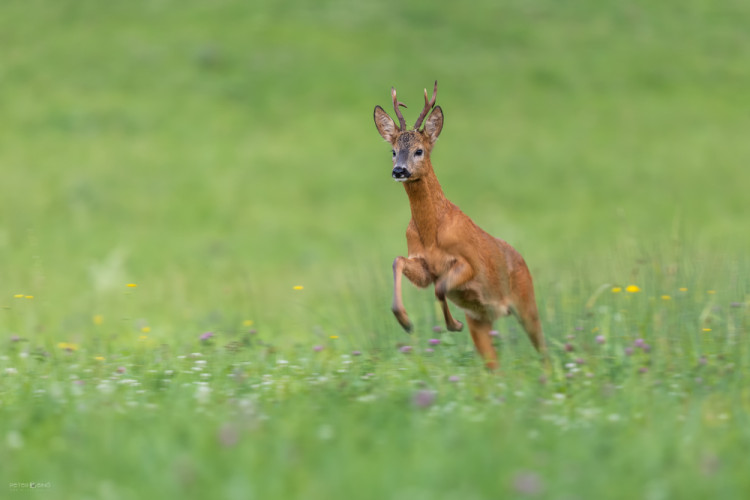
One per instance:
(403,319)
(456,326)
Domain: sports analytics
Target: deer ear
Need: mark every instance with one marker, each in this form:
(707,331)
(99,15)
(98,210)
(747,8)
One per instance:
(434,124)
(385,124)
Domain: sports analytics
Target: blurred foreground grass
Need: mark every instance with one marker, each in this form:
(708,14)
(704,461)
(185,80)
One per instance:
(217,154)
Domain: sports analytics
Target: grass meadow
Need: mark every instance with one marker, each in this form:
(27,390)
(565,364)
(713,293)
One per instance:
(197,224)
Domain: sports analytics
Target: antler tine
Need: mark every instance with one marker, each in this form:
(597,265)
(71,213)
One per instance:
(428,104)
(396,104)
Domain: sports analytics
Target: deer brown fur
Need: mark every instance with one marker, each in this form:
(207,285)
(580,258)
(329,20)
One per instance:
(483,275)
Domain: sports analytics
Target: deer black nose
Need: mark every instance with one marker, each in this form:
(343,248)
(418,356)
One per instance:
(400,173)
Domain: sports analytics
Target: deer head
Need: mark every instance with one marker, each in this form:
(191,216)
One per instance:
(411,148)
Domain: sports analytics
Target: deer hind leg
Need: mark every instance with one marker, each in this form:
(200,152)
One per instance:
(416,271)
(480,334)
(526,311)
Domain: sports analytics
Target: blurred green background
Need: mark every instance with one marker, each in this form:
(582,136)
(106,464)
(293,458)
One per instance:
(218,153)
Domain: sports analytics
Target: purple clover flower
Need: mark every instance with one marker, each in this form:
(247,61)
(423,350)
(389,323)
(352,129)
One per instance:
(206,336)
(434,341)
(600,339)
(423,398)
(406,349)
(317,348)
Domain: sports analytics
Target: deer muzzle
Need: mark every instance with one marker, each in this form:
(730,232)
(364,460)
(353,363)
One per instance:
(400,173)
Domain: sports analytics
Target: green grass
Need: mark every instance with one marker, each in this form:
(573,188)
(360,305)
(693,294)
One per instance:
(217,154)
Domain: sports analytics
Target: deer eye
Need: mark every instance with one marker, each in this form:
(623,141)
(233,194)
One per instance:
(418,152)
(394,152)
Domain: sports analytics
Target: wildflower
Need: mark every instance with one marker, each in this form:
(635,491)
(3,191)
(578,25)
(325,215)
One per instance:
(356,353)
(298,287)
(736,304)
(317,348)
(580,361)
(423,398)
(711,292)
(121,369)
(437,329)
(706,329)
(632,289)
(569,347)
(19,295)
(642,369)
(434,341)
(666,297)
(28,297)
(228,435)
(68,346)
(99,358)
(206,336)
(145,329)
(11,371)
(15,338)
(97,319)
(683,289)
(131,285)
(638,342)
(528,483)
(628,351)
(454,378)
(429,350)
(494,333)
(600,339)
(616,289)
(143,337)
(646,348)
(405,349)
(334,337)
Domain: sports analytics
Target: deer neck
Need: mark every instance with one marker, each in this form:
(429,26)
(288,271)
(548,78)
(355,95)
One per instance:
(428,204)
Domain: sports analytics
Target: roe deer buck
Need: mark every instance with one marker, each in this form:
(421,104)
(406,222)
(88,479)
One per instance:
(483,275)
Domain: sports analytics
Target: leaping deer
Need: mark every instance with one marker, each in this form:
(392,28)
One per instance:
(483,275)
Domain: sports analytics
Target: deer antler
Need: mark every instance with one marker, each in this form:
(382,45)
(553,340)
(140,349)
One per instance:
(428,104)
(396,104)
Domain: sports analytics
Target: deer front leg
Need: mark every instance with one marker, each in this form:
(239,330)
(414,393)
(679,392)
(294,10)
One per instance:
(415,269)
(450,323)
(459,273)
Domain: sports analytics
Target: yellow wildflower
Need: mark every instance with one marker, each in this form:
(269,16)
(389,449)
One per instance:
(706,329)
(683,289)
(68,346)
(711,292)
(247,322)
(334,337)
(98,319)
(143,337)
(99,358)
(298,287)
(632,289)
(28,297)
(19,296)
(145,329)
(617,289)
(131,285)
(666,297)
